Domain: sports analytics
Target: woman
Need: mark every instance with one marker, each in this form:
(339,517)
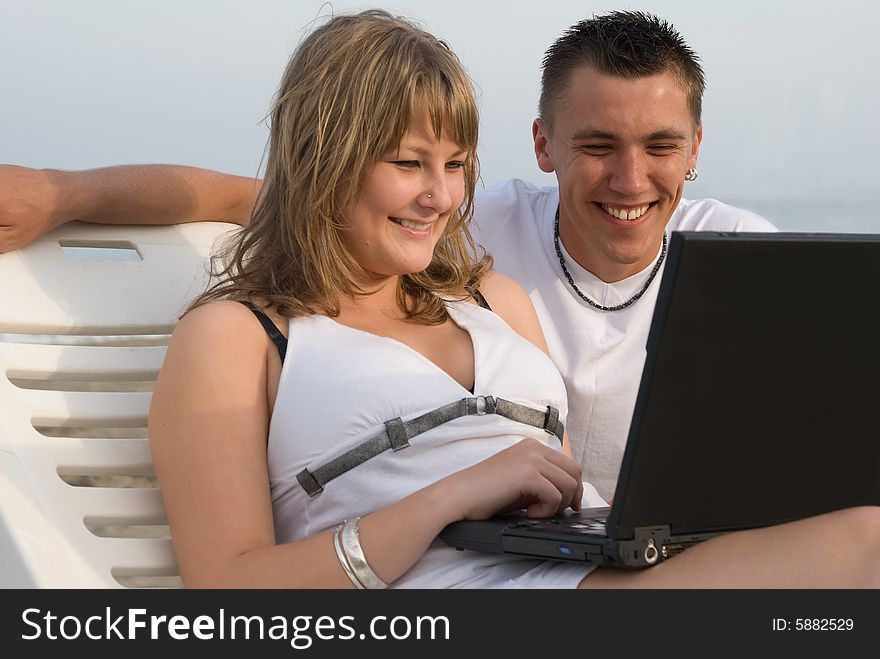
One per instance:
(339,396)
(360,240)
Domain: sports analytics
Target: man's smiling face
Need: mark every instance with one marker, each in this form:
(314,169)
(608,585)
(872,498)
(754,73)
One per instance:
(620,149)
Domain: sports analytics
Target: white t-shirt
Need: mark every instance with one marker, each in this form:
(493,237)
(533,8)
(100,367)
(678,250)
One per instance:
(600,353)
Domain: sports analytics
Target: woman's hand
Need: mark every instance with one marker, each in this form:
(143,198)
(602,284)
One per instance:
(527,475)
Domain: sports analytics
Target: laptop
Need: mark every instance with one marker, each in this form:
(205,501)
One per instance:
(759,403)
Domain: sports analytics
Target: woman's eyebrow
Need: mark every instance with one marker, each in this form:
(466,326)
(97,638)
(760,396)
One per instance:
(422,151)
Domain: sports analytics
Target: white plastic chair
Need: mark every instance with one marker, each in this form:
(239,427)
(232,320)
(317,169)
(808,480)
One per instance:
(85,315)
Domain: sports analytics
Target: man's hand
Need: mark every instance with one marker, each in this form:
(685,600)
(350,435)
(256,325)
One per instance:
(34,201)
(28,205)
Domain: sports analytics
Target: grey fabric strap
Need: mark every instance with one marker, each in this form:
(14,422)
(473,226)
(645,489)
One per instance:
(398,433)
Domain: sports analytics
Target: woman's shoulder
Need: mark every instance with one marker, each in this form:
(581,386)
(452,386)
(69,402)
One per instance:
(503,293)
(224,331)
(215,317)
(216,354)
(229,317)
(509,300)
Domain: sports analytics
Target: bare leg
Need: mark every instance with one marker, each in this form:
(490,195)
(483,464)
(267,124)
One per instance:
(836,550)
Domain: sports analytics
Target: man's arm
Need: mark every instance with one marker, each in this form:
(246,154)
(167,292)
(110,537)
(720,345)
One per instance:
(34,201)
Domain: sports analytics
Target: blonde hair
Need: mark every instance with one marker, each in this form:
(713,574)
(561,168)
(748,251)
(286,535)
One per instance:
(348,96)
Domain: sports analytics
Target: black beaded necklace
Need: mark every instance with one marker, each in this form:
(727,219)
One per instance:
(592,303)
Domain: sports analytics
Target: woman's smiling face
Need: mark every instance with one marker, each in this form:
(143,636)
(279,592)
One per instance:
(406,203)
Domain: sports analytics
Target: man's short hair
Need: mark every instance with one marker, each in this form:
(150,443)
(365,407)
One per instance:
(623,44)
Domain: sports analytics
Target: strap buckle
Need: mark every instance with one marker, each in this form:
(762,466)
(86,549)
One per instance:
(481,405)
(309,483)
(396,434)
(551,421)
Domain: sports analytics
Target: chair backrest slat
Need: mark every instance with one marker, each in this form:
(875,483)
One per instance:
(85,316)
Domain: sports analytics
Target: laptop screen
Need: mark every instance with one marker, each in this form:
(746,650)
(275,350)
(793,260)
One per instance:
(760,397)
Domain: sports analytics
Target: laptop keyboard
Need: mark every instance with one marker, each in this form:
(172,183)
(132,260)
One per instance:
(596,526)
(581,525)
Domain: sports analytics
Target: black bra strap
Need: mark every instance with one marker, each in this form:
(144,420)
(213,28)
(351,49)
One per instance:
(480,299)
(277,337)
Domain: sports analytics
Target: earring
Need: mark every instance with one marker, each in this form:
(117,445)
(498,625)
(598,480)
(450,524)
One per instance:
(429,196)
(691,175)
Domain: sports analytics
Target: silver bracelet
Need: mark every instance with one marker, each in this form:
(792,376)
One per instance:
(343,559)
(351,547)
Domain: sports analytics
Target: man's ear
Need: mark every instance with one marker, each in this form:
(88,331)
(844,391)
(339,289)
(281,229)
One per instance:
(695,150)
(541,138)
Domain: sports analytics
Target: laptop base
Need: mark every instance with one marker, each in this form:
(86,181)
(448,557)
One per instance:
(571,537)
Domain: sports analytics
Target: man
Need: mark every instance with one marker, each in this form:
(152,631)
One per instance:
(620,126)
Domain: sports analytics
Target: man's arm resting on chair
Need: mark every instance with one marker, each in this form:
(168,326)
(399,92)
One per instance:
(34,201)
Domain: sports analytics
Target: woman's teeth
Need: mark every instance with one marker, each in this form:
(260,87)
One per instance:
(409,224)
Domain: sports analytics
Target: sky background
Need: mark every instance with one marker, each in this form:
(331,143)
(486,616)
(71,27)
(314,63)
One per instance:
(790,110)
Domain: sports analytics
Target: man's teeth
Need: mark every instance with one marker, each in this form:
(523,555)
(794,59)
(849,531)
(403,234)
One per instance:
(415,226)
(624,214)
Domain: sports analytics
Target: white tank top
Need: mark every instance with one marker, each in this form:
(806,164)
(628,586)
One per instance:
(340,385)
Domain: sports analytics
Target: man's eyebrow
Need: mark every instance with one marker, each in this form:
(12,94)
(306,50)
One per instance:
(588,134)
(667,134)
(663,134)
